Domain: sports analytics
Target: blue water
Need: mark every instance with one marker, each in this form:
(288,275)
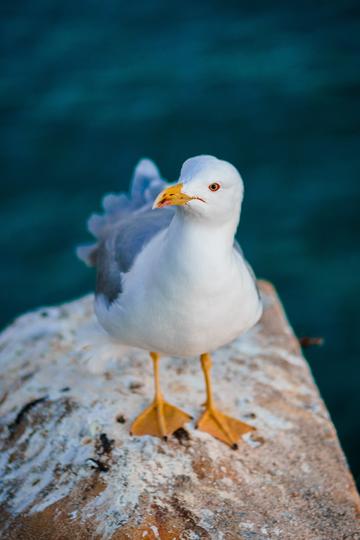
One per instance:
(87,88)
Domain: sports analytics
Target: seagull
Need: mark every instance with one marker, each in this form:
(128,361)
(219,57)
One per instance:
(172,280)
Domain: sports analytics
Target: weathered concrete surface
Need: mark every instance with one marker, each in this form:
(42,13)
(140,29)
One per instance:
(62,478)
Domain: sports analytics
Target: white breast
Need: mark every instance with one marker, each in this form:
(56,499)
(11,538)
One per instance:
(183,298)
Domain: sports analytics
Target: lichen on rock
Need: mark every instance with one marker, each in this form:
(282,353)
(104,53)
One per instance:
(69,468)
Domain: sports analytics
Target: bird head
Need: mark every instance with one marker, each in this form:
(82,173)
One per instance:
(208,188)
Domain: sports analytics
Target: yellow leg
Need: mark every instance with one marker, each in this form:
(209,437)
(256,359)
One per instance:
(225,428)
(160,419)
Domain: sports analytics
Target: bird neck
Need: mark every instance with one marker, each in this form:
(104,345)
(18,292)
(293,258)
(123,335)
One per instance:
(201,239)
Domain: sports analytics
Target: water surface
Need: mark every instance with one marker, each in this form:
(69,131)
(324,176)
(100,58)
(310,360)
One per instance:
(87,88)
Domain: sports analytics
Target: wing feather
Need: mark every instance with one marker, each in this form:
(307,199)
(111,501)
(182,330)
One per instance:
(237,248)
(126,226)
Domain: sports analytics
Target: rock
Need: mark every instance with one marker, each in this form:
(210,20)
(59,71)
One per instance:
(70,469)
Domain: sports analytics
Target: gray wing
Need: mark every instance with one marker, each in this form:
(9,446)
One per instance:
(117,252)
(127,225)
(237,248)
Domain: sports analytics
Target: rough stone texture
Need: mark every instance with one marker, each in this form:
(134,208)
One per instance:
(70,470)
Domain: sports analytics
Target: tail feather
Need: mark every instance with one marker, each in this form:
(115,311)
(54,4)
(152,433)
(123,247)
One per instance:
(112,203)
(145,175)
(87,253)
(146,184)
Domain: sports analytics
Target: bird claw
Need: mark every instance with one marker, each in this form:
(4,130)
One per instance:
(223,427)
(160,419)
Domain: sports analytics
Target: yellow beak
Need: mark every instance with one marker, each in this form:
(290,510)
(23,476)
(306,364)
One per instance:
(172,196)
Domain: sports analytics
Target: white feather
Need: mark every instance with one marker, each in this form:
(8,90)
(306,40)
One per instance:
(189,291)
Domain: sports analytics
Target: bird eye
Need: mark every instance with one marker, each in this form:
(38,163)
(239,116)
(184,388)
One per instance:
(214,187)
